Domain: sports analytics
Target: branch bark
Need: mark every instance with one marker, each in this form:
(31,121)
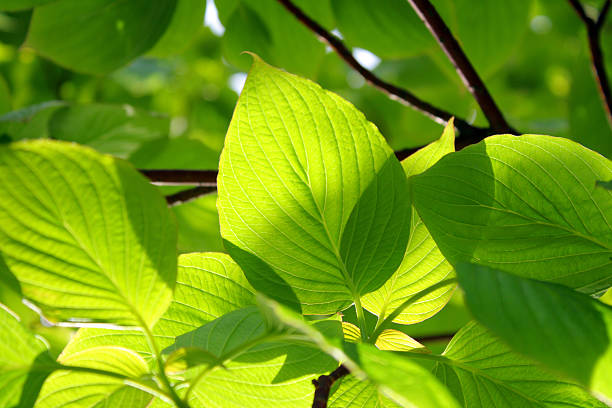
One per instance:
(323,386)
(594,28)
(203,178)
(191,194)
(433,21)
(401,95)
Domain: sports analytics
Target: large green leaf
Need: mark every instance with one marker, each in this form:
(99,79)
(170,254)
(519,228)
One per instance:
(565,330)
(264,366)
(355,393)
(311,199)
(482,371)
(198,225)
(265,28)
(10,5)
(187,21)
(98,36)
(113,129)
(31,122)
(77,389)
(85,234)
(527,205)
(390,29)
(24,363)
(488,32)
(423,265)
(394,376)
(399,378)
(208,286)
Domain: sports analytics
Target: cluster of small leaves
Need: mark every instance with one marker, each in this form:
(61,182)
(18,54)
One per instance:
(317,215)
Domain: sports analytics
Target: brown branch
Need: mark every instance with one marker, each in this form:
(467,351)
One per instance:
(323,386)
(191,194)
(438,337)
(204,178)
(429,15)
(401,95)
(594,28)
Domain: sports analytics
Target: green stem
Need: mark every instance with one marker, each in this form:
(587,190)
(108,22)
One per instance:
(361,319)
(162,372)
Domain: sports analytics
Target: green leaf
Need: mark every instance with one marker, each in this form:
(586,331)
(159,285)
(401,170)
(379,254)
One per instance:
(325,214)
(88,238)
(24,363)
(185,358)
(423,265)
(112,129)
(265,366)
(389,29)
(388,339)
(527,205)
(352,333)
(565,330)
(395,375)
(355,393)
(399,378)
(265,28)
(186,22)
(98,36)
(31,122)
(490,32)
(482,371)
(395,340)
(78,389)
(5,96)
(208,286)
(198,225)
(12,5)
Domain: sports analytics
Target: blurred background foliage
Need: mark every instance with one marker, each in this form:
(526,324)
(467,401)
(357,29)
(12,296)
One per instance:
(157,85)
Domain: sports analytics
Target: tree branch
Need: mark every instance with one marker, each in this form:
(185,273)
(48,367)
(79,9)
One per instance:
(204,178)
(594,28)
(323,386)
(191,194)
(440,337)
(429,15)
(403,96)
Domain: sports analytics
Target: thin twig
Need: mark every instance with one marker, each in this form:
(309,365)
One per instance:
(429,15)
(594,28)
(401,95)
(323,386)
(204,178)
(438,337)
(191,194)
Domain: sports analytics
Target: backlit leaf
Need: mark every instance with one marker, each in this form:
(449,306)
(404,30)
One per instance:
(312,201)
(527,205)
(423,265)
(86,235)
(565,330)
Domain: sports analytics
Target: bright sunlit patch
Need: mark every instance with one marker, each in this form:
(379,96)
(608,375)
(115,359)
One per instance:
(366,58)
(178,126)
(540,24)
(211,19)
(236,82)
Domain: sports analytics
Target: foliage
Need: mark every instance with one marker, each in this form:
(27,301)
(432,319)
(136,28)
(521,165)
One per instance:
(321,252)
